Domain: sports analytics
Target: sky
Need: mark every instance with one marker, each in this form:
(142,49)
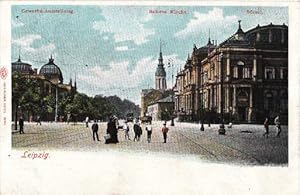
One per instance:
(113,50)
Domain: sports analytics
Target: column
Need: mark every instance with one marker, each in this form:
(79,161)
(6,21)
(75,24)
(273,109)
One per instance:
(254,70)
(234,100)
(228,68)
(219,98)
(250,105)
(227,103)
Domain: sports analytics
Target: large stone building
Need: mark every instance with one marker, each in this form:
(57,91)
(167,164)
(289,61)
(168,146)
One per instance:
(49,81)
(245,78)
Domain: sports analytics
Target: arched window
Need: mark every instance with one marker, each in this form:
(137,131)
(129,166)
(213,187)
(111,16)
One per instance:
(238,69)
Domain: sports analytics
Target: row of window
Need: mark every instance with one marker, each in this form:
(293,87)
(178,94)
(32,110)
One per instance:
(270,73)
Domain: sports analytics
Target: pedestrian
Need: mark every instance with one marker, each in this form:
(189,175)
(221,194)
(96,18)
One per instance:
(112,132)
(165,132)
(21,124)
(136,129)
(277,123)
(38,120)
(149,132)
(87,122)
(95,128)
(126,131)
(68,118)
(140,131)
(266,125)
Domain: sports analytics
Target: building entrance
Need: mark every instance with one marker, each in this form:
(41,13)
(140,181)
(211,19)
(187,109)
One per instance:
(242,113)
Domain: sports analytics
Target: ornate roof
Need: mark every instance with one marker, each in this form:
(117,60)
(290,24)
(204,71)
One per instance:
(51,70)
(21,66)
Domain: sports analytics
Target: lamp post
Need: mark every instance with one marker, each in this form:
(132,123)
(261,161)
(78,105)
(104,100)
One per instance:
(56,103)
(171,64)
(222,130)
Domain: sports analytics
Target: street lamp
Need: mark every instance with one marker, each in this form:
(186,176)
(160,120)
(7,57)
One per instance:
(56,103)
(171,64)
(222,130)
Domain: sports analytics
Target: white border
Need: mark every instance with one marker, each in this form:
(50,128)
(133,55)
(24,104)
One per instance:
(94,173)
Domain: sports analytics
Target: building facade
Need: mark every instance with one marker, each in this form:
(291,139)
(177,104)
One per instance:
(48,81)
(245,78)
(162,109)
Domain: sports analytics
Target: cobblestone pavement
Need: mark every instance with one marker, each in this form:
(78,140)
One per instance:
(242,144)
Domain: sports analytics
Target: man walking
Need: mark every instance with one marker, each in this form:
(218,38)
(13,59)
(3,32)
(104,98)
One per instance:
(165,131)
(21,124)
(87,122)
(38,120)
(277,123)
(266,125)
(95,128)
(126,131)
(149,132)
(136,129)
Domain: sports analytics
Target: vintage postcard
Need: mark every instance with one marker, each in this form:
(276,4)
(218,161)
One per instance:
(131,98)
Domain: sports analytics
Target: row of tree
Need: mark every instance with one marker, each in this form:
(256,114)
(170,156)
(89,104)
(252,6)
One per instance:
(30,99)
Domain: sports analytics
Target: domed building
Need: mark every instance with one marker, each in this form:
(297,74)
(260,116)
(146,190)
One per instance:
(50,82)
(51,72)
(22,67)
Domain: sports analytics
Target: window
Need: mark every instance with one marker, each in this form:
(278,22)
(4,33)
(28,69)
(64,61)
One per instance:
(235,72)
(238,70)
(246,73)
(269,73)
(283,73)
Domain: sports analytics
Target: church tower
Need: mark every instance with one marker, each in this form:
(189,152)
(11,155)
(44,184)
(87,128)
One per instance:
(160,74)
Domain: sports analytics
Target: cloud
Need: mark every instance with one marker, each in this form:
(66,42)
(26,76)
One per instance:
(119,80)
(16,24)
(25,43)
(202,21)
(122,48)
(125,25)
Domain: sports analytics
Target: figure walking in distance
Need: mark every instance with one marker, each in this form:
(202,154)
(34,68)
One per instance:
(149,132)
(21,124)
(126,131)
(165,132)
(136,129)
(112,132)
(87,122)
(277,123)
(266,125)
(38,120)
(95,128)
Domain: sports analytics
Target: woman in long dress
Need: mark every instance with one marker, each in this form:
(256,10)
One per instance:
(112,131)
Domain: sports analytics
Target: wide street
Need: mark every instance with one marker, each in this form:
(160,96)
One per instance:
(243,144)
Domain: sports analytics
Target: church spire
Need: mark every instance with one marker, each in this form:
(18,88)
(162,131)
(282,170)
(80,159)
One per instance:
(160,59)
(209,42)
(19,59)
